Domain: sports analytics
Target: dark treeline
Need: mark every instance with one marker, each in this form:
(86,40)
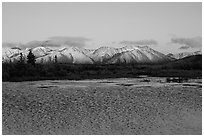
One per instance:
(23,71)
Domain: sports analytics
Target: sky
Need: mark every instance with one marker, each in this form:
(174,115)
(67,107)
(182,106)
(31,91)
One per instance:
(167,27)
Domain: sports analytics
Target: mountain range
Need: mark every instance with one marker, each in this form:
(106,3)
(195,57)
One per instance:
(184,54)
(102,55)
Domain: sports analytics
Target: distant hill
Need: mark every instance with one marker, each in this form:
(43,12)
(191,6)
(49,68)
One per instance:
(187,63)
(184,54)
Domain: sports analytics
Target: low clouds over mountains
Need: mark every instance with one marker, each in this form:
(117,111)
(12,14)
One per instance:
(140,42)
(83,42)
(56,41)
(195,42)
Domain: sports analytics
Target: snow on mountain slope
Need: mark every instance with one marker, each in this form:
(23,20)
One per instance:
(41,51)
(78,56)
(198,52)
(154,55)
(139,55)
(87,52)
(51,58)
(184,54)
(67,55)
(127,48)
(134,56)
(103,54)
(126,54)
(8,53)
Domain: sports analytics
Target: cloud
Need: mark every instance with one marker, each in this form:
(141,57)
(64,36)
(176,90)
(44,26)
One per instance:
(11,45)
(56,41)
(140,42)
(33,44)
(70,41)
(195,42)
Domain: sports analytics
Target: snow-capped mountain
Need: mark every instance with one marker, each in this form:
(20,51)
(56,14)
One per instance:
(66,55)
(103,54)
(184,54)
(51,57)
(41,51)
(75,55)
(139,55)
(9,53)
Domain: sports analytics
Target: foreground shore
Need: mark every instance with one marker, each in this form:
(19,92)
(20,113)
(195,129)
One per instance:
(109,106)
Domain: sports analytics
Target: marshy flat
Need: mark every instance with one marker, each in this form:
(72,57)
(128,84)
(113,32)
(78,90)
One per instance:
(146,106)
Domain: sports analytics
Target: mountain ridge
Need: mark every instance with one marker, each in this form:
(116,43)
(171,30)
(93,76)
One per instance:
(184,54)
(102,55)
